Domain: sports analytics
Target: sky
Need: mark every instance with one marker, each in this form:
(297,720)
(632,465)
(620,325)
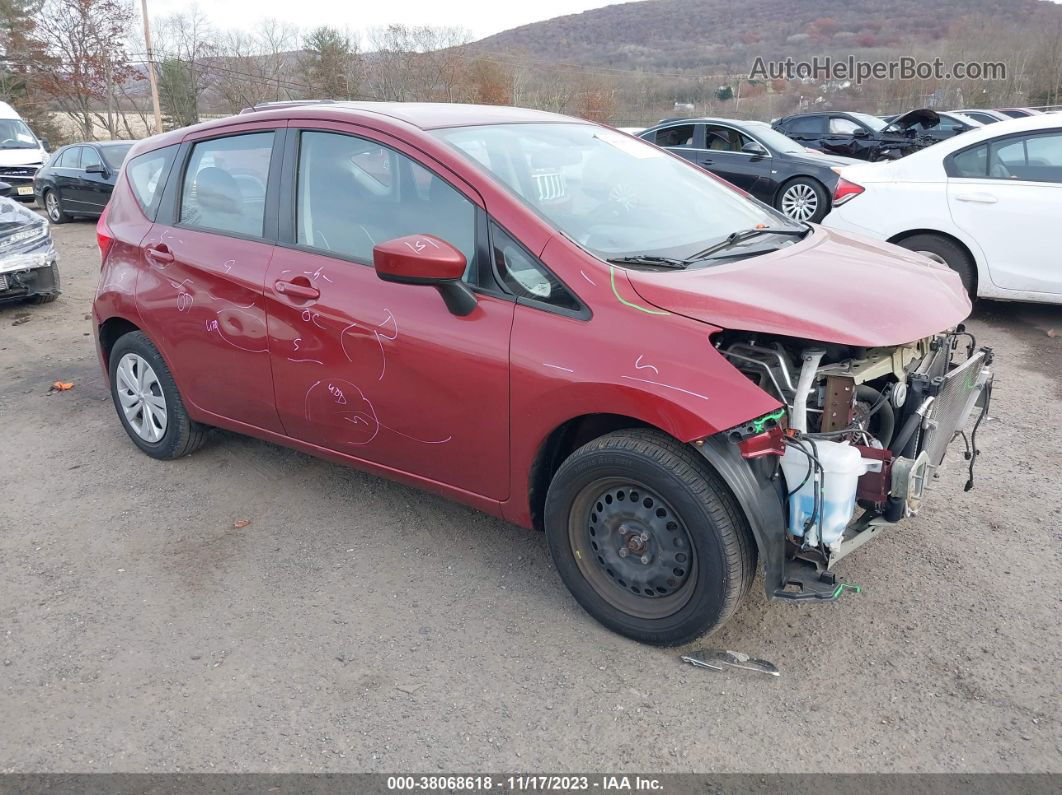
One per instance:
(481,17)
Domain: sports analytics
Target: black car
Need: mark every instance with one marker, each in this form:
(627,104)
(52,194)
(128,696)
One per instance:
(78,179)
(939,126)
(757,159)
(28,262)
(858,135)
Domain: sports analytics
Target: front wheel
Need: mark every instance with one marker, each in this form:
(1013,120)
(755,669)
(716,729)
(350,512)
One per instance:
(946,252)
(647,537)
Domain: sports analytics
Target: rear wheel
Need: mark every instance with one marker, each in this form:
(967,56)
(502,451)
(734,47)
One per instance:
(803,199)
(647,538)
(947,252)
(53,206)
(148,404)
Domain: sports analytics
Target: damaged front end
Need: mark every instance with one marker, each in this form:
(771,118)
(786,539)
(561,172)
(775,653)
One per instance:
(28,260)
(862,433)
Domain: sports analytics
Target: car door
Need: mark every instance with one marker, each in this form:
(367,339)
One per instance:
(66,175)
(685,140)
(723,155)
(1007,195)
(381,372)
(93,187)
(206,256)
(843,136)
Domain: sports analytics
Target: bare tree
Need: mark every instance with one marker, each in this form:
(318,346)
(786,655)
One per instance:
(185,43)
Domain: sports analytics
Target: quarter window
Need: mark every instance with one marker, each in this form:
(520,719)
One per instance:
(146,173)
(680,136)
(225,184)
(354,193)
(524,276)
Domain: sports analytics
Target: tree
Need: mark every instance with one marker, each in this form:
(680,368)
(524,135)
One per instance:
(19,51)
(83,59)
(185,42)
(330,64)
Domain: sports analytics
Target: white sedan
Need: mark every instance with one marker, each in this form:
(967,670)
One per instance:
(988,203)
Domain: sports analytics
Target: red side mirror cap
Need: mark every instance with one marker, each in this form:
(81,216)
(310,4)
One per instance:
(418,259)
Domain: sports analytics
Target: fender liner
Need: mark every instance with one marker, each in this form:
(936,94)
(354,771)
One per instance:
(761,499)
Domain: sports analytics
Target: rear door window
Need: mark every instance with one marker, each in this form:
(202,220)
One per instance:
(681,136)
(807,125)
(70,158)
(147,176)
(224,188)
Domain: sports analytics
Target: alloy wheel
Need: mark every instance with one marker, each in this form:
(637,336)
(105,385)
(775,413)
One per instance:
(141,397)
(800,202)
(51,204)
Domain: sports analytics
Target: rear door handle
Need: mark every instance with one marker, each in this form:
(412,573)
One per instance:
(977,198)
(159,253)
(300,289)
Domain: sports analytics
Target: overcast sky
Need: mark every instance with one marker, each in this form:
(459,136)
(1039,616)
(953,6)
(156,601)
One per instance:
(482,17)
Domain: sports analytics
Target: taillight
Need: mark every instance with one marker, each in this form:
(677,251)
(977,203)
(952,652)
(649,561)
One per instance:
(104,239)
(845,191)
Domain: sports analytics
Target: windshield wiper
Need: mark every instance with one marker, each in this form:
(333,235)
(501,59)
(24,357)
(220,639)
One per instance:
(650,259)
(737,237)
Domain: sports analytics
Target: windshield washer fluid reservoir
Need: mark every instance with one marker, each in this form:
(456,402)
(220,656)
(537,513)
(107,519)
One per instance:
(842,466)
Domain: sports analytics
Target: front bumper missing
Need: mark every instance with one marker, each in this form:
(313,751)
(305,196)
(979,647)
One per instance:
(27,275)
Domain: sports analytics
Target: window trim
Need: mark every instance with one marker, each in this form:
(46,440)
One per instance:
(949,164)
(269,210)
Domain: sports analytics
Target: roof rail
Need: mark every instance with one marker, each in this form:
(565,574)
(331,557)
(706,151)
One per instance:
(289,103)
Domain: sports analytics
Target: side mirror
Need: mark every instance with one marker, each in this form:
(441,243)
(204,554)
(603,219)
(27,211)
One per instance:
(754,148)
(427,260)
(860,133)
(96,168)
(5,189)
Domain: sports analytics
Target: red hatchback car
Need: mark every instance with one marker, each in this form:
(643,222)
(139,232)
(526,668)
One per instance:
(545,319)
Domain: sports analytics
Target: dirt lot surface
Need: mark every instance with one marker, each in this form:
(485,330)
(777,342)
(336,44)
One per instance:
(358,625)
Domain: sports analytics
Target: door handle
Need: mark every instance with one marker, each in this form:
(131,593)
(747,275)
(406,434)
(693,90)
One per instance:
(977,198)
(707,161)
(299,288)
(159,253)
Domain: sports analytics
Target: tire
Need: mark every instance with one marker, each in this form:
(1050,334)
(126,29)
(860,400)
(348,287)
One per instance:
(949,253)
(803,199)
(165,436)
(53,207)
(687,542)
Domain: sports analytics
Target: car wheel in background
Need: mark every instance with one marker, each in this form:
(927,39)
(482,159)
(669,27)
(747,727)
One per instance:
(946,252)
(148,404)
(803,199)
(647,538)
(53,207)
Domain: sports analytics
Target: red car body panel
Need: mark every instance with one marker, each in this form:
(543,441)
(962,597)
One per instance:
(828,287)
(382,376)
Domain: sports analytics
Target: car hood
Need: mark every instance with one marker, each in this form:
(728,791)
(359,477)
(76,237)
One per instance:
(924,116)
(20,157)
(829,287)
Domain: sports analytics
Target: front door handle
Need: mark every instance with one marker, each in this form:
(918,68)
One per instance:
(298,288)
(159,253)
(977,198)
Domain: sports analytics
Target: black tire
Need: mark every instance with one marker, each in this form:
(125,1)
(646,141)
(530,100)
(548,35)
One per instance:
(802,185)
(681,507)
(53,206)
(947,251)
(182,435)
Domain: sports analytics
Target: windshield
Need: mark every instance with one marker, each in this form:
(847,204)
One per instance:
(115,155)
(873,122)
(613,194)
(774,139)
(14,134)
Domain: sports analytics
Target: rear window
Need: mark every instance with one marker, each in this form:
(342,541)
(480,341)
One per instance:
(147,175)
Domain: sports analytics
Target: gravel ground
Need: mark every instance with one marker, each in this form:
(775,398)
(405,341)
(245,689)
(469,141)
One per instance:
(359,625)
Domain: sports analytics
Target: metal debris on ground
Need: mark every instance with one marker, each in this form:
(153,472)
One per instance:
(717,659)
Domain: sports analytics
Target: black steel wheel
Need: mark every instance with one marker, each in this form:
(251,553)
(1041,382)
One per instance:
(648,538)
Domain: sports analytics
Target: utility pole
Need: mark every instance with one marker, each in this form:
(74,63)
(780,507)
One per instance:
(151,70)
